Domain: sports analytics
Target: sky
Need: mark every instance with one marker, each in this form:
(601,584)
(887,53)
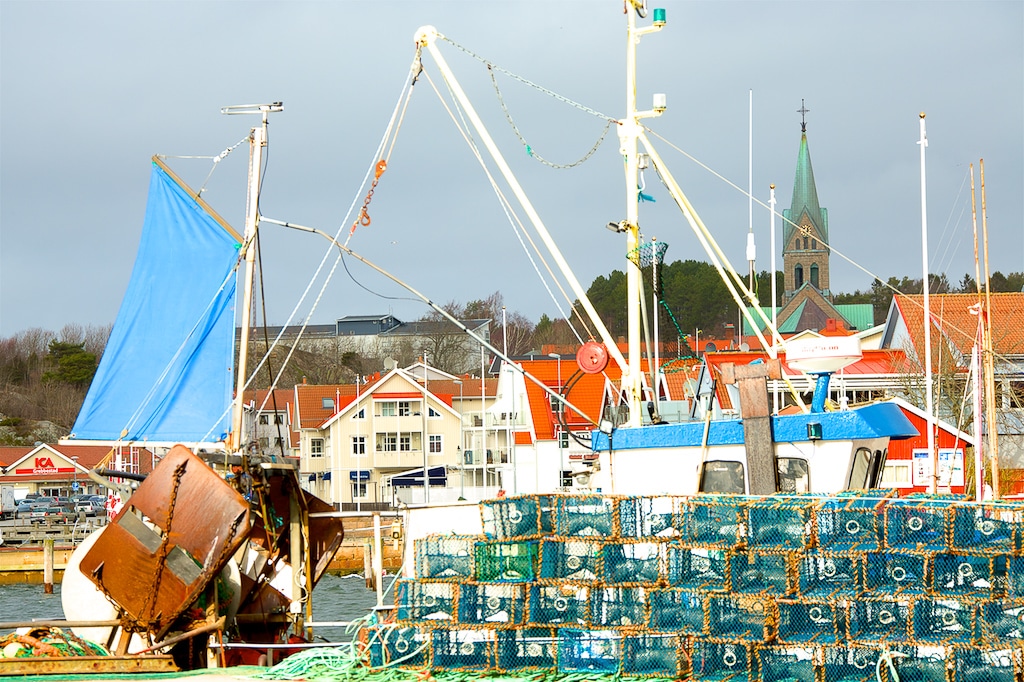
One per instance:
(89,91)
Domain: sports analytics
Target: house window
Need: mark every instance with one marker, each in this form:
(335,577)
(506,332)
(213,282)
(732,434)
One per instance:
(328,403)
(431,412)
(556,404)
(403,408)
(316,447)
(566,479)
(388,409)
(358,490)
(435,444)
(279,419)
(264,419)
(387,442)
(358,445)
(897,475)
(279,441)
(361,414)
(563,440)
(405,443)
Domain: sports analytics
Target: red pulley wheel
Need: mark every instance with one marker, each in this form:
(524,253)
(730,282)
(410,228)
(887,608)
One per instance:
(592,357)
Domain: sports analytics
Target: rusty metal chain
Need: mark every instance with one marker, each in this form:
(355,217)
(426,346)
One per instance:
(364,216)
(179,473)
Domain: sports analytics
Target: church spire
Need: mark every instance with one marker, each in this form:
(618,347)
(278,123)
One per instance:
(805,193)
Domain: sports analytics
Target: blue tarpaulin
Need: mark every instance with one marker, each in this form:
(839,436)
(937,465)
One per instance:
(166,374)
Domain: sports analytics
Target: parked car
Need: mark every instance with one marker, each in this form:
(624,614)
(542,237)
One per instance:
(89,507)
(24,510)
(41,501)
(53,514)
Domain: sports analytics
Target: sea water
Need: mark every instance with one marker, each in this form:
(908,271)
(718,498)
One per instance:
(335,599)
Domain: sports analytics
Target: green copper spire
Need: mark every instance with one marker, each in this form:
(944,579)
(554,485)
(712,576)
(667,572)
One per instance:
(805,194)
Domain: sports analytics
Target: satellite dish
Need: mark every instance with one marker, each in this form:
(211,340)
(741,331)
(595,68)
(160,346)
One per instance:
(710,347)
(744,346)
(823,355)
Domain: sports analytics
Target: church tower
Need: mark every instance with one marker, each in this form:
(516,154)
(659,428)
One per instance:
(805,249)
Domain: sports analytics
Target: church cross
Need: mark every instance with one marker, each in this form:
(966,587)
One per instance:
(803,116)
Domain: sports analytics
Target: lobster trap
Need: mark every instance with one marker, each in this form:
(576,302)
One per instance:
(506,561)
(445,557)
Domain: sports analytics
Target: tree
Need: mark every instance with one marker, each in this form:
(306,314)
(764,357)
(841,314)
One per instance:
(70,363)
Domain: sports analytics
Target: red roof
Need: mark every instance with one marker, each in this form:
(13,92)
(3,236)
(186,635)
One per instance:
(953,321)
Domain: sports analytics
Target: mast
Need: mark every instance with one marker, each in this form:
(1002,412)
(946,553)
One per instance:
(976,361)
(932,453)
(257,141)
(990,379)
(629,133)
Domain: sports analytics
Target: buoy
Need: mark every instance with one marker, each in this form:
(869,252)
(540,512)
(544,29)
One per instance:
(592,357)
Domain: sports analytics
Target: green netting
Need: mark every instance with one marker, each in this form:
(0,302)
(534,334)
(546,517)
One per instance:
(720,587)
(891,574)
(559,604)
(481,603)
(506,561)
(823,575)
(570,560)
(591,515)
(780,523)
(445,557)
(697,567)
(631,563)
(759,572)
(986,527)
(963,575)
(943,621)
(648,518)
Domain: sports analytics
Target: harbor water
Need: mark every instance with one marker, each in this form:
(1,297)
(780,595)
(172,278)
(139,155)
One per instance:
(335,599)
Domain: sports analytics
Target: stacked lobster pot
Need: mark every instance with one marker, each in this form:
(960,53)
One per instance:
(859,586)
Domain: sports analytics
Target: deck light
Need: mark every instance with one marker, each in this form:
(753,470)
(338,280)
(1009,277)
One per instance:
(659,16)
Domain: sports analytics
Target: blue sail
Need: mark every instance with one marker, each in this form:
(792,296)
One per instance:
(168,369)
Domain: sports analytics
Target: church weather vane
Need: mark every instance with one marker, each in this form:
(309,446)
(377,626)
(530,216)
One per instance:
(803,116)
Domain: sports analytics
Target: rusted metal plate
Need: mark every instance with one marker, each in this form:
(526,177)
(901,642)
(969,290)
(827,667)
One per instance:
(80,665)
(194,522)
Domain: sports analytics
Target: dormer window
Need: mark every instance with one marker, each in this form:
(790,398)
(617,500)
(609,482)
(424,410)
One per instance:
(328,403)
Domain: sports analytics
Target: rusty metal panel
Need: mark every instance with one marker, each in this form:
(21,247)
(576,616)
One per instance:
(79,665)
(154,570)
(325,536)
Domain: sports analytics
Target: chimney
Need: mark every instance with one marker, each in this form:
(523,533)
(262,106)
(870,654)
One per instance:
(730,333)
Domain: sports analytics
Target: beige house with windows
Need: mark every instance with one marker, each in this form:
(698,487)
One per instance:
(370,443)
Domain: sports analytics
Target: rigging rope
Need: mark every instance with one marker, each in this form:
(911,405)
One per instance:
(529,148)
(515,222)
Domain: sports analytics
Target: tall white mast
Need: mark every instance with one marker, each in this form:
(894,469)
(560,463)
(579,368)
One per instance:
(257,141)
(629,133)
(932,453)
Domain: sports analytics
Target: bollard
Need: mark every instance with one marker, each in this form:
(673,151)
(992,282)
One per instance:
(48,566)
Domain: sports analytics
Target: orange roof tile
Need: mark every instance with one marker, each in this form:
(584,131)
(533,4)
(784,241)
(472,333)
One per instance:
(954,323)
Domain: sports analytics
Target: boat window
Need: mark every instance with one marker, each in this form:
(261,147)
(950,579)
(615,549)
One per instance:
(794,475)
(722,477)
(865,469)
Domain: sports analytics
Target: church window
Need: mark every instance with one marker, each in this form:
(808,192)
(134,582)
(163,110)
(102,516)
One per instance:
(814,244)
(798,276)
(805,243)
(814,275)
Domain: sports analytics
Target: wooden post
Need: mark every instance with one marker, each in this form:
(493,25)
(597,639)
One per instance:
(48,566)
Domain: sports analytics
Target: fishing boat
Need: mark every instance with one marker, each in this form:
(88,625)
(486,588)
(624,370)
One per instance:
(219,537)
(751,548)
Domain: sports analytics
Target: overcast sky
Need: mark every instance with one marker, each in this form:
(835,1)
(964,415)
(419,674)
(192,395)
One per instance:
(90,90)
